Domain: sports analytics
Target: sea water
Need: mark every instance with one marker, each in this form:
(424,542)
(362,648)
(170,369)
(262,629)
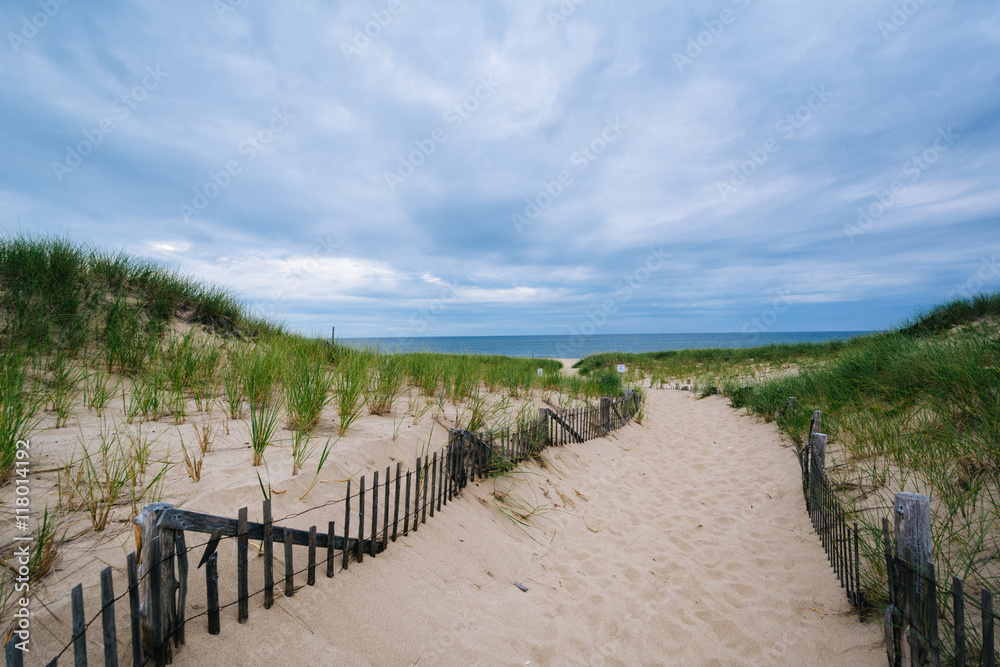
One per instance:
(574,347)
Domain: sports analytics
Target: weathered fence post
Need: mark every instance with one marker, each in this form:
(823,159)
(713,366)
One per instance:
(817,468)
(15,656)
(915,601)
(108,618)
(164,592)
(606,414)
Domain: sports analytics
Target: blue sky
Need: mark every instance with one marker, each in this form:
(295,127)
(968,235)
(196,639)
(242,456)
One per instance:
(462,168)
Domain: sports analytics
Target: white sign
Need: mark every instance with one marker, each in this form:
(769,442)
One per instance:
(539,372)
(621,368)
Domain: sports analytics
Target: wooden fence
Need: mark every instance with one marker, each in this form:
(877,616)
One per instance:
(925,623)
(376,512)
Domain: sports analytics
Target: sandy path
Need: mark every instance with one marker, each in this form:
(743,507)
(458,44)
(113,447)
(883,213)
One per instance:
(682,541)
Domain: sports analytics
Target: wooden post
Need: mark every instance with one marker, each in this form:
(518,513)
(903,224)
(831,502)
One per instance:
(416,497)
(395,511)
(329,551)
(347,524)
(268,545)
(385,514)
(424,501)
(135,617)
(912,526)
(986,604)
(79,628)
(180,546)
(406,514)
(374,534)
(108,618)
(155,611)
(442,476)
(242,585)
(15,656)
(958,615)
(816,425)
(163,590)
(289,569)
(360,555)
(212,587)
(434,467)
(817,467)
(311,577)
(455,444)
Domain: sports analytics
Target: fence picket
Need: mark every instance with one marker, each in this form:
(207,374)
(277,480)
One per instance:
(180,546)
(14,655)
(395,511)
(79,628)
(108,618)
(133,601)
(374,534)
(268,546)
(242,548)
(330,546)
(434,466)
(385,516)
(360,555)
(289,567)
(311,578)
(424,501)
(958,616)
(987,607)
(212,593)
(347,523)
(406,514)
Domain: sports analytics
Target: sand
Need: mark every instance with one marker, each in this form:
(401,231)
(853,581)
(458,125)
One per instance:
(682,540)
(679,541)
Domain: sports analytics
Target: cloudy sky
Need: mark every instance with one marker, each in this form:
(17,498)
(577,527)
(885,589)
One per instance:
(407,167)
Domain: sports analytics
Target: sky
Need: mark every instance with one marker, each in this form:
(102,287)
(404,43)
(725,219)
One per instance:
(416,168)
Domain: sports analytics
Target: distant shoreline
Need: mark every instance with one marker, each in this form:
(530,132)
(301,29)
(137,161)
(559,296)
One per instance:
(580,345)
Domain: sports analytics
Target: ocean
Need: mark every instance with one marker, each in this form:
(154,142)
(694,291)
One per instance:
(575,347)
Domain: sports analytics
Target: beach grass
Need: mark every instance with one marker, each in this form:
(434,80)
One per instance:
(76,322)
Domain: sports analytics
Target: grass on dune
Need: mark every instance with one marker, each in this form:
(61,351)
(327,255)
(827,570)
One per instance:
(908,411)
(139,342)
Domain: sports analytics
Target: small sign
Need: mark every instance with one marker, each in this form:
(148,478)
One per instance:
(540,372)
(621,368)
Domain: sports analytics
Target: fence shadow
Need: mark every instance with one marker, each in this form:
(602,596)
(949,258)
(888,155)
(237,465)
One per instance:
(153,602)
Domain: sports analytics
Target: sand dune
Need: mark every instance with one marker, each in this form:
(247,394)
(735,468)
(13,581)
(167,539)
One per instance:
(680,541)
